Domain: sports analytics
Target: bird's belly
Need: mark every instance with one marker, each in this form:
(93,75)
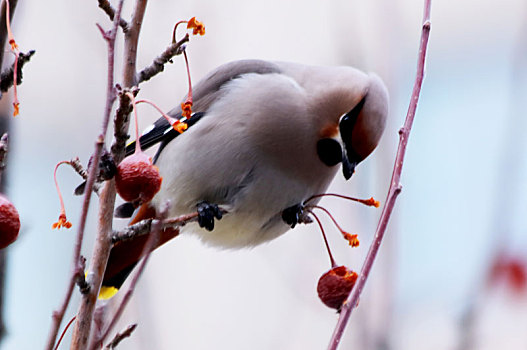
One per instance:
(255,215)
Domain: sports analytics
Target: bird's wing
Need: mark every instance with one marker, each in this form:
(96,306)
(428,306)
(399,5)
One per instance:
(205,92)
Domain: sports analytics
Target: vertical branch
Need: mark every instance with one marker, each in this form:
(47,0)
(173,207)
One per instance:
(130,46)
(4,148)
(76,262)
(393,191)
(4,126)
(103,241)
(110,98)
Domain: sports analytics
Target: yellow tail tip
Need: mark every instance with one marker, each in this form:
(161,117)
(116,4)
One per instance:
(107,292)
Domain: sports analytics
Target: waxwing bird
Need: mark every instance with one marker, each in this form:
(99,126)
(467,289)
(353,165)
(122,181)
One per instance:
(264,137)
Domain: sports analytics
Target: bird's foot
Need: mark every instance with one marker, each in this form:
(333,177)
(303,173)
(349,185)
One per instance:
(206,214)
(295,215)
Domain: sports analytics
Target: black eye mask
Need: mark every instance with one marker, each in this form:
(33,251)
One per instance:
(329,151)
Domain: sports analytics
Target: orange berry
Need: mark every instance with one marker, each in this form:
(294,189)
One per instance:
(335,285)
(137,179)
(9,222)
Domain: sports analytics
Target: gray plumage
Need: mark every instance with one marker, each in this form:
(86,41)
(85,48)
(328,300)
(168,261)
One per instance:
(255,150)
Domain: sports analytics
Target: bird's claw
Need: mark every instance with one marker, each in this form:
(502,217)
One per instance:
(295,215)
(206,214)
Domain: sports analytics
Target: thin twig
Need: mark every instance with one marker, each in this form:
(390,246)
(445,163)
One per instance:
(4,127)
(144,227)
(6,79)
(76,263)
(120,336)
(130,45)
(393,191)
(79,169)
(158,65)
(3,159)
(4,147)
(150,245)
(109,10)
(64,332)
(84,287)
(103,243)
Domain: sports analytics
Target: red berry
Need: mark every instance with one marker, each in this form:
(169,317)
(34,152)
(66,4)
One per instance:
(335,285)
(137,179)
(9,222)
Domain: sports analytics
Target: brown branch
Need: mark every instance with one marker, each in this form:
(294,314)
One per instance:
(121,123)
(103,243)
(4,147)
(79,169)
(144,227)
(3,257)
(393,191)
(84,287)
(6,79)
(120,336)
(147,250)
(109,10)
(158,65)
(77,267)
(130,44)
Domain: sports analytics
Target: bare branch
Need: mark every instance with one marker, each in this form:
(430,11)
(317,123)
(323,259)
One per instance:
(4,147)
(150,245)
(393,191)
(158,65)
(144,227)
(79,169)
(130,45)
(121,123)
(103,243)
(109,10)
(84,287)
(120,336)
(76,262)
(6,79)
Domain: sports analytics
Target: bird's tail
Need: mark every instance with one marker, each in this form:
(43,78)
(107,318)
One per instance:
(126,254)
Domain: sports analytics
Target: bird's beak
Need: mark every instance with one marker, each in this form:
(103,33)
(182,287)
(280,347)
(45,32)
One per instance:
(347,123)
(348,168)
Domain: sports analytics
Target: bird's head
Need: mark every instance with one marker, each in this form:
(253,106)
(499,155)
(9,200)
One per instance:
(362,108)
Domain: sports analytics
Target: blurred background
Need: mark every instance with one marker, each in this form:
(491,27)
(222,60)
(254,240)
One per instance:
(451,273)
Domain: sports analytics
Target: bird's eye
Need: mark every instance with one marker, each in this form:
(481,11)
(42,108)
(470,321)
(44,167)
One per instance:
(329,151)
